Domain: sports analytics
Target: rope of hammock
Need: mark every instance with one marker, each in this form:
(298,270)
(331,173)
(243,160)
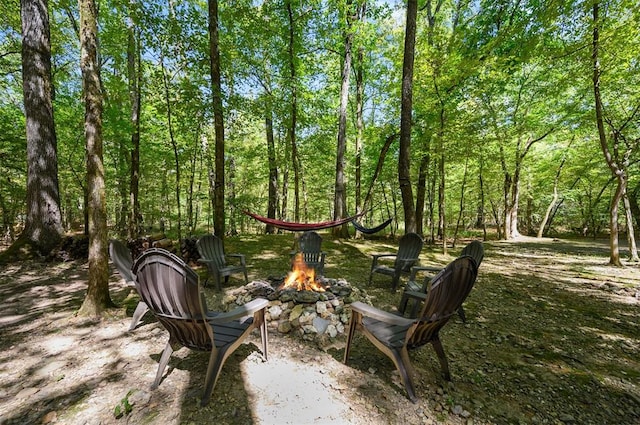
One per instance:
(301,227)
(372,230)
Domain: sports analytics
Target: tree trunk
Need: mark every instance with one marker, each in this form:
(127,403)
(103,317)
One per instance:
(614,258)
(294,115)
(216,90)
(421,189)
(134,73)
(404,158)
(359,132)
(381,158)
(43,227)
(554,199)
(174,145)
(340,194)
(273,171)
(97,298)
(631,238)
(231,190)
(461,205)
(359,74)
(442,211)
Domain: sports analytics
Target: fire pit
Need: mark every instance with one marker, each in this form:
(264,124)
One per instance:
(302,304)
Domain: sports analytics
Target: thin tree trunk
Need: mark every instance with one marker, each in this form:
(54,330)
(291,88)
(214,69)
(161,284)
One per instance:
(442,212)
(135,78)
(461,205)
(340,195)
(614,258)
(216,90)
(481,209)
(294,115)
(631,238)
(97,298)
(273,171)
(404,158)
(174,145)
(359,120)
(554,198)
(421,189)
(376,173)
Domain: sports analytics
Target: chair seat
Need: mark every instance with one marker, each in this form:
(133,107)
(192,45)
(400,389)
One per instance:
(391,336)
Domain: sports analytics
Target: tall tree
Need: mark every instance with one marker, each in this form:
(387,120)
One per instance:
(97,298)
(272,202)
(404,159)
(216,90)
(291,130)
(359,77)
(134,76)
(618,155)
(340,193)
(43,227)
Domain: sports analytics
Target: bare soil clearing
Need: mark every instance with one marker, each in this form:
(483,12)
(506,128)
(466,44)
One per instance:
(552,337)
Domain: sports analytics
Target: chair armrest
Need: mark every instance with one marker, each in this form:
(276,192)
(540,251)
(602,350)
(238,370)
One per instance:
(240,256)
(238,313)
(377,257)
(417,269)
(383,316)
(210,264)
(415,294)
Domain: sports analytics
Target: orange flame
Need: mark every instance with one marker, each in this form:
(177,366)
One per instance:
(302,277)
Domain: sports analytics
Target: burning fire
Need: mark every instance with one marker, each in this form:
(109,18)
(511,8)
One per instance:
(302,277)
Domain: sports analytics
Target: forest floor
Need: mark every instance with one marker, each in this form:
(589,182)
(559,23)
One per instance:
(552,337)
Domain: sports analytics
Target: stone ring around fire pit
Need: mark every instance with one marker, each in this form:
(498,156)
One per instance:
(315,315)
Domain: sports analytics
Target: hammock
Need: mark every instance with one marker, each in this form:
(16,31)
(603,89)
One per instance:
(373,230)
(301,227)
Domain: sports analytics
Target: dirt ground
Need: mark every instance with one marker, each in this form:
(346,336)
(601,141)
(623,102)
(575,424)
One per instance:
(552,337)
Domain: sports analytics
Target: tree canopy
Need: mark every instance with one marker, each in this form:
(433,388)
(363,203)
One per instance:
(503,94)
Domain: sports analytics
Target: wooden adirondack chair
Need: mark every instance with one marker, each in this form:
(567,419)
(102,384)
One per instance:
(409,248)
(121,257)
(171,290)
(395,335)
(310,247)
(410,306)
(212,255)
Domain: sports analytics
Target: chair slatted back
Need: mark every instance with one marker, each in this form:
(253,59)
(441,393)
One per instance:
(409,247)
(447,291)
(475,250)
(171,290)
(121,257)
(311,247)
(211,247)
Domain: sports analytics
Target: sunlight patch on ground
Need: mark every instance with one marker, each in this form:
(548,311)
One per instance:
(58,344)
(284,391)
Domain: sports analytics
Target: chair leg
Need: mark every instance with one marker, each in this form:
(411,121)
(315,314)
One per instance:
(265,339)
(246,278)
(141,309)
(462,315)
(216,360)
(352,330)
(437,346)
(164,359)
(394,281)
(403,365)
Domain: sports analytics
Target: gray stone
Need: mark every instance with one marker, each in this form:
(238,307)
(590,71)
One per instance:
(321,324)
